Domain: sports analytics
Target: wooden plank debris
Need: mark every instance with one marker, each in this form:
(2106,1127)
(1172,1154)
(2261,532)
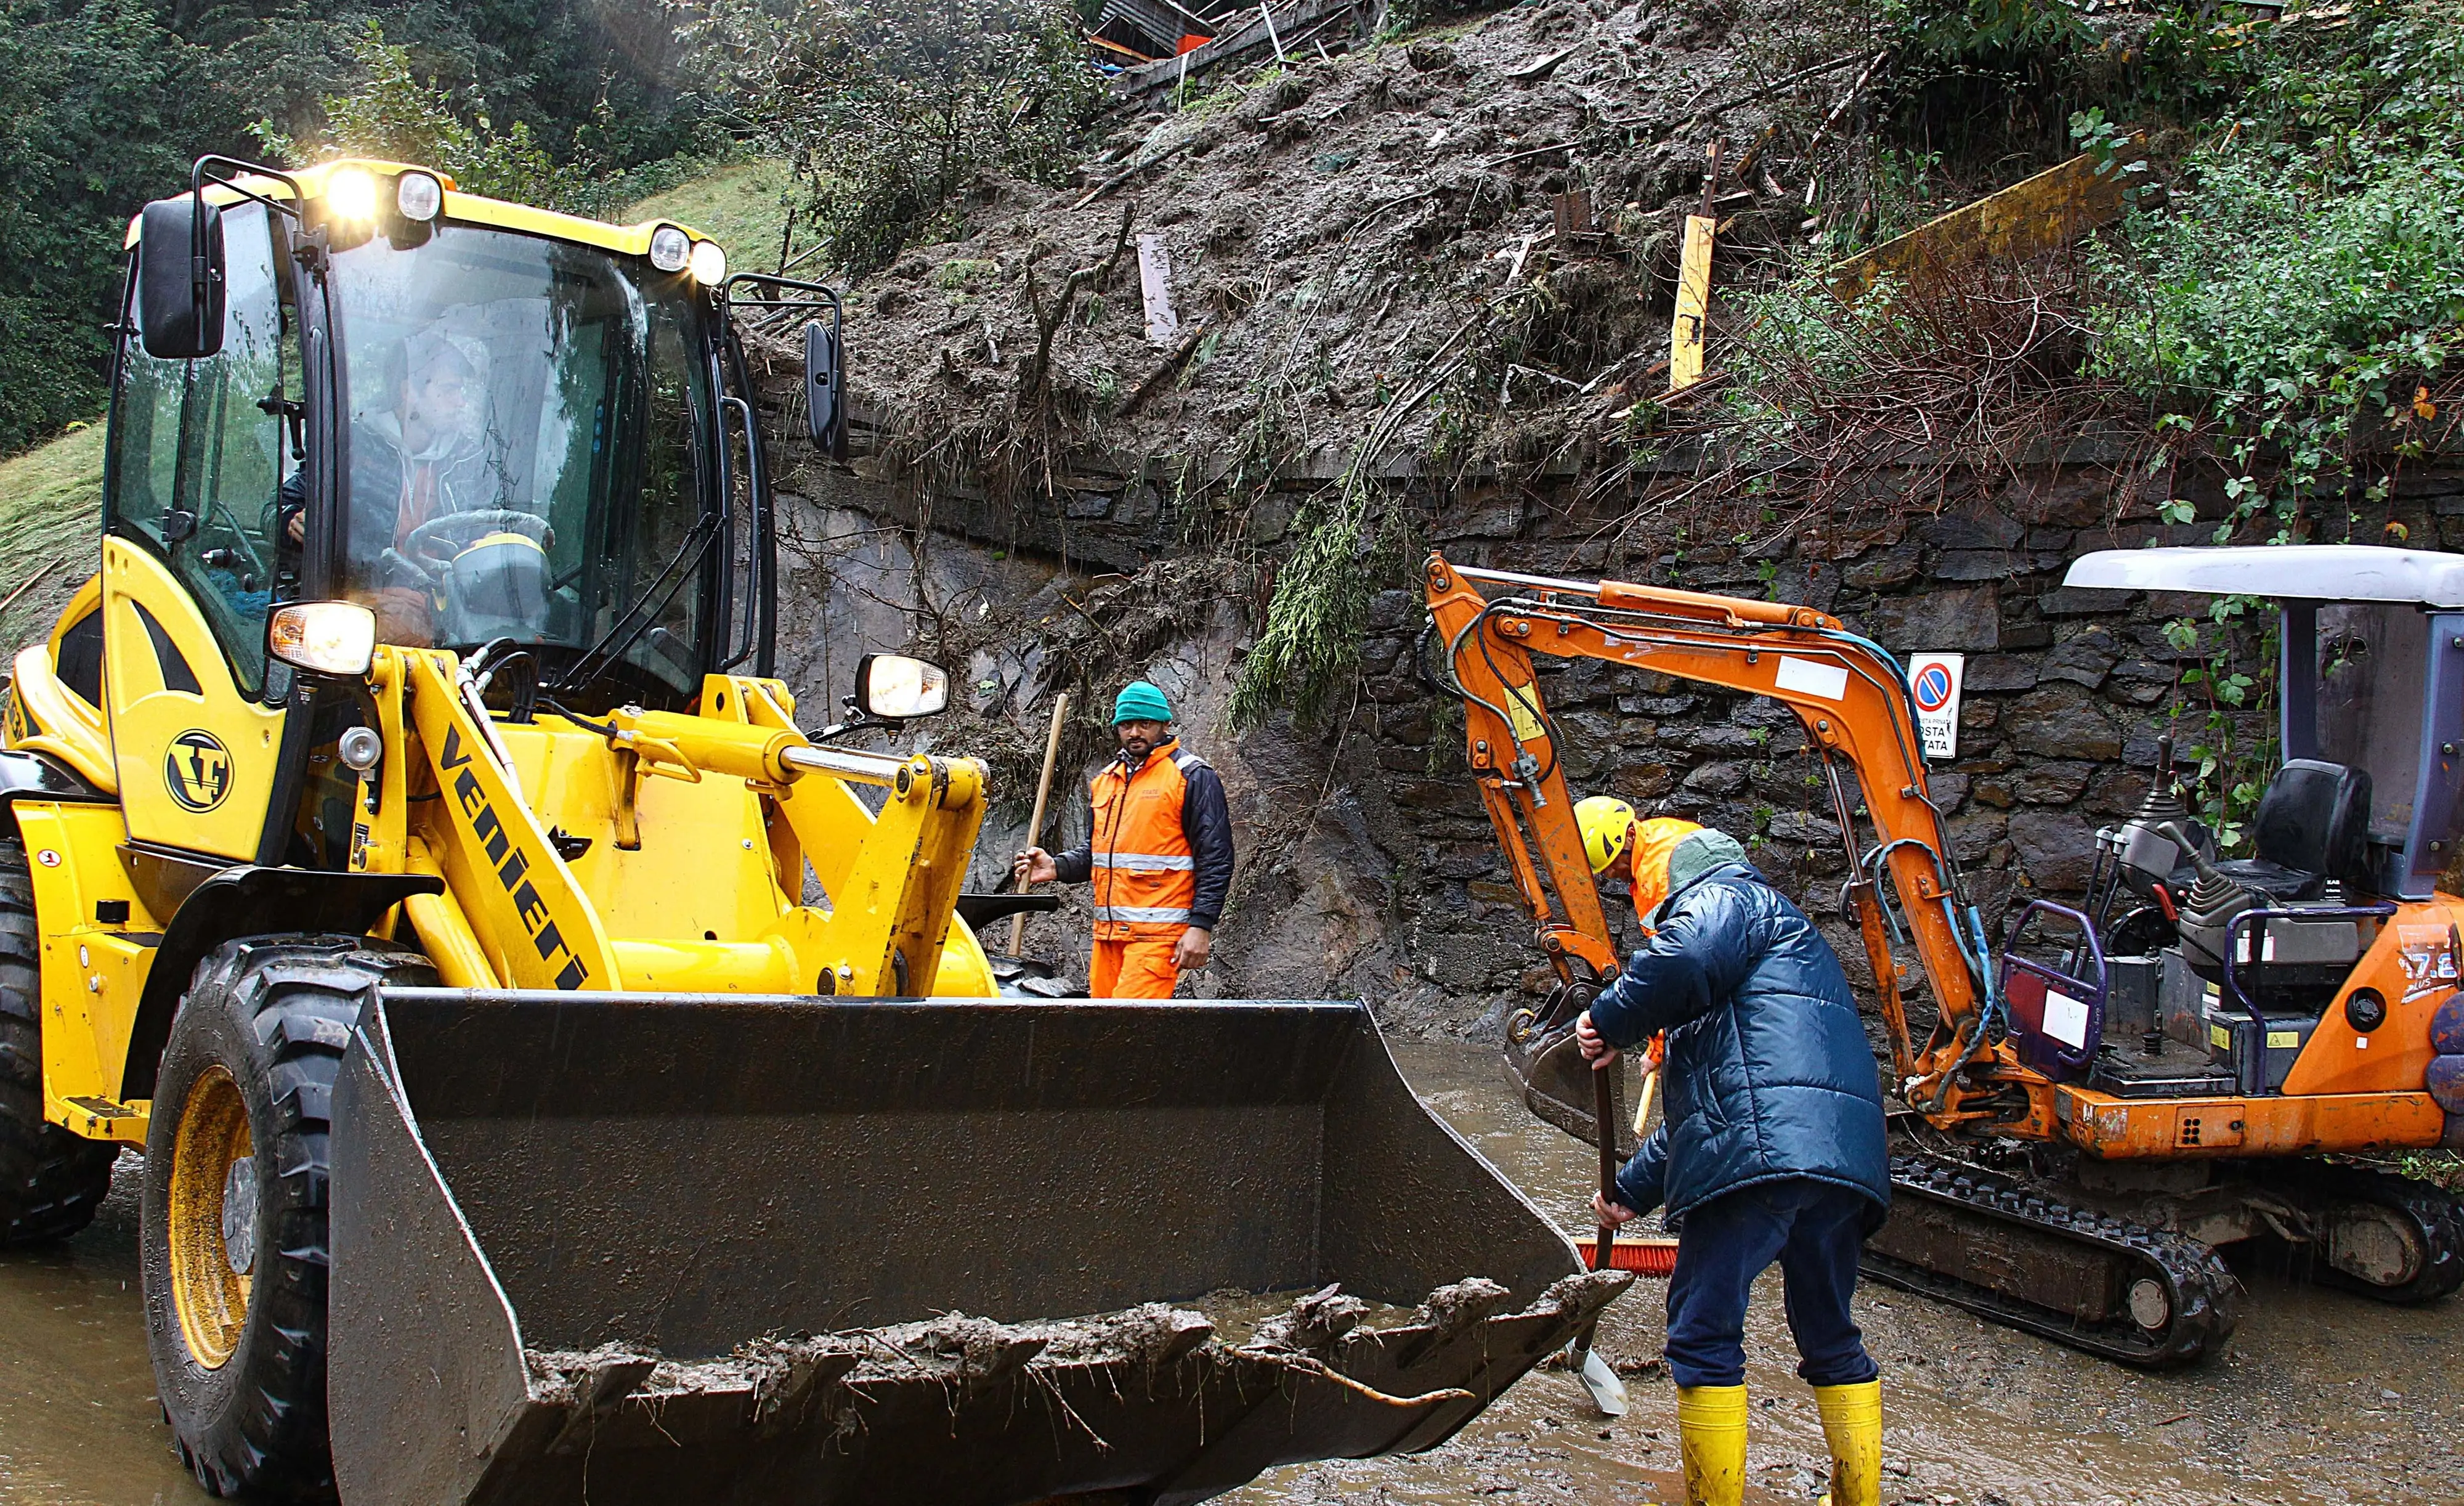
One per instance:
(1232,43)
(1541,67)
(1693,303)
(2031,217)
(1687,328)
(1155,284)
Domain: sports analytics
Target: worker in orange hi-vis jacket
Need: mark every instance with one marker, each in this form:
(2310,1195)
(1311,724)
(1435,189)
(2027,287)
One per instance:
(1159,854)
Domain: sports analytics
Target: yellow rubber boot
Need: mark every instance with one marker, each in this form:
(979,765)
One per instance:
(1711,1436)
(1852,1424)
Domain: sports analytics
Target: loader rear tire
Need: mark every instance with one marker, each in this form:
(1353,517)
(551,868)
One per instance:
(234,1228)
(50,1181)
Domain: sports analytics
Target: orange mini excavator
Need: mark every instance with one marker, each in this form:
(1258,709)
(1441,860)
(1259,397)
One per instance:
(2158,1074)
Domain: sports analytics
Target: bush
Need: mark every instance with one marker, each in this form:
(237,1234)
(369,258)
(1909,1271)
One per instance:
(2301,299)
(394,115)
(891,111)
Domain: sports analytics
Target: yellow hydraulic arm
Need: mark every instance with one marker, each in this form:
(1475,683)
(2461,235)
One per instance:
(1854,702)
(486,803)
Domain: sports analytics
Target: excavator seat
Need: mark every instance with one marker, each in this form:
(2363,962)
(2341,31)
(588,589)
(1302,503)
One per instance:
(2313,825)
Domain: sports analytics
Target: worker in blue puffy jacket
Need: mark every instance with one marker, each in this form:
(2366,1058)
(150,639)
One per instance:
(1772,1144)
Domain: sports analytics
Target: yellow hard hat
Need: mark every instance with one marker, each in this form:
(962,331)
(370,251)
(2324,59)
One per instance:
(1655,841)
(1604,820)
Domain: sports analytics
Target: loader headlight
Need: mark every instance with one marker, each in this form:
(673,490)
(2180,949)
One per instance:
(891,687)
(709,263)
(351,194)
(419,196)
(669,249)
(323,637)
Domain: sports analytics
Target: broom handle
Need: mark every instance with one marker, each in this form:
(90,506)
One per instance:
(1035,822)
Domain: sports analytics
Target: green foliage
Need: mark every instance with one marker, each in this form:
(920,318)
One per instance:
(108,107)
(891,112)
(2302,294)
(2229,691)
(394,114)
(110,101)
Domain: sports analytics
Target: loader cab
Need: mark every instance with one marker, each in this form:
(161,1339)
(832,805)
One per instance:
(487,424)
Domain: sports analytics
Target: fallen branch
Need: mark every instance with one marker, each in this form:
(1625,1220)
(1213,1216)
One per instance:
(1133,170)
(30,582)
(1390,204)
(1047,324)
(1160,375)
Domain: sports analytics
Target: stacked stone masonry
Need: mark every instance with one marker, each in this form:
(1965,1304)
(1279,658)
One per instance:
(2066,694)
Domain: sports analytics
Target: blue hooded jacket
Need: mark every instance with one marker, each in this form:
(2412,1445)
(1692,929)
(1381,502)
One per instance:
(1768,1074)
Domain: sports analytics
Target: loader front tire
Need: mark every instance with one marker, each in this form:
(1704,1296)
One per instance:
(233,1242)
(50,1181)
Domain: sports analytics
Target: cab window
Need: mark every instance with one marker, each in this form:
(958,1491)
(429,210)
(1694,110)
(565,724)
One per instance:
(198,456)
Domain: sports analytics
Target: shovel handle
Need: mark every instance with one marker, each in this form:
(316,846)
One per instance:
(1035,822)
(1604,1113)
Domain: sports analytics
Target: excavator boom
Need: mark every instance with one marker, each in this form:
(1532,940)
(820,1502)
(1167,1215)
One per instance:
(1860,722)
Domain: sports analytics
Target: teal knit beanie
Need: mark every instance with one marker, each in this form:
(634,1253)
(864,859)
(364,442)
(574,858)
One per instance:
(1140,702)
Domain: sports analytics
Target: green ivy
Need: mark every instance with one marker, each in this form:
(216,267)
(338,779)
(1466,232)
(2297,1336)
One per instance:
(2299,297)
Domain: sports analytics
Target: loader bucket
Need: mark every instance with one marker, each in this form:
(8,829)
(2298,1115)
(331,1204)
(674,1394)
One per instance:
(620,1249)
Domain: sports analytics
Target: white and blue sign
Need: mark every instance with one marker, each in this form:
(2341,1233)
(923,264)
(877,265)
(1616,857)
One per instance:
(1934,679)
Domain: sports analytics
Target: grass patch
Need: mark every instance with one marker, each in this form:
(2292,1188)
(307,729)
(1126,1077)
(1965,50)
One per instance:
(50,499)
(742,205)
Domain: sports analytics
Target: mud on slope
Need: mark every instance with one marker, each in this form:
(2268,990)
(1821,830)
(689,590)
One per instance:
(1329,225)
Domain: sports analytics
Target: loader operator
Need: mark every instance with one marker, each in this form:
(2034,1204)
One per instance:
(1772,1146)
(418,456)
(1158,851)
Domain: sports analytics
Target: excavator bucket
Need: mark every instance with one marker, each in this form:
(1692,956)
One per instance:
(1546,1062)
(621,1249)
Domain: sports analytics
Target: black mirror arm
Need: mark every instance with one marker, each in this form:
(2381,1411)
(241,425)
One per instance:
(206,170)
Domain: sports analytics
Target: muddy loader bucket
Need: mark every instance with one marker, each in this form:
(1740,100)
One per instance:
(640,1249)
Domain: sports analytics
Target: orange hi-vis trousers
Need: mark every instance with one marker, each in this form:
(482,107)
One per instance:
(1138,969)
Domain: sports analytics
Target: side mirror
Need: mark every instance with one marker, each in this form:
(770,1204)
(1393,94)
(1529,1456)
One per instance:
(891,687)
(825,390)
(180,278)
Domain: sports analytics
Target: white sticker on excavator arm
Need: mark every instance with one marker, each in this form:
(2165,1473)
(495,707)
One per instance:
(1805,678)
(2065,1019)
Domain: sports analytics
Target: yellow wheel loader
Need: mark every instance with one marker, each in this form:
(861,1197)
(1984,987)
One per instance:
(560,1077)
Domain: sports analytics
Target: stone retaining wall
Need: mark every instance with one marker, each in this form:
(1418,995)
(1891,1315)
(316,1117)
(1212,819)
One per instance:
(1397,891)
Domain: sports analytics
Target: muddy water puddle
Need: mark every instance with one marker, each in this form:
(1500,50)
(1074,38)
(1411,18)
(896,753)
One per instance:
(79,1423)
(2323,1397)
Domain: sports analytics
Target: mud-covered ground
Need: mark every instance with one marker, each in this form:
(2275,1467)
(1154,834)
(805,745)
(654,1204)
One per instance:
(2324,1396)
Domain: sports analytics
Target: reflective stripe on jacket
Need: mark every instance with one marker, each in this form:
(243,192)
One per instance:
(1144,870)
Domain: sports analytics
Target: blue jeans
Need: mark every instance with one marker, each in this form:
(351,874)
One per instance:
(1814,1229)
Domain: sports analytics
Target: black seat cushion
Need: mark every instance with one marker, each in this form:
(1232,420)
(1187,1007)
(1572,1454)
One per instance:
(2274,880)
(2313,824)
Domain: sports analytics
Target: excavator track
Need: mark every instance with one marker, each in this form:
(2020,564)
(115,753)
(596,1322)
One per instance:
(2004,1250)
(2432,1220)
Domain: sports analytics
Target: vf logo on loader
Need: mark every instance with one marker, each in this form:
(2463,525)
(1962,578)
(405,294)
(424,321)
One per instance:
(197,770)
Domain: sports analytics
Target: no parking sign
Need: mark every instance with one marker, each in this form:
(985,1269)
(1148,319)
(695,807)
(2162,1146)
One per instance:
(1934,680)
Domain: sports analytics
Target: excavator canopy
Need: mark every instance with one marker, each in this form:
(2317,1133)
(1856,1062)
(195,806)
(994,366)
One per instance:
(627,1249)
